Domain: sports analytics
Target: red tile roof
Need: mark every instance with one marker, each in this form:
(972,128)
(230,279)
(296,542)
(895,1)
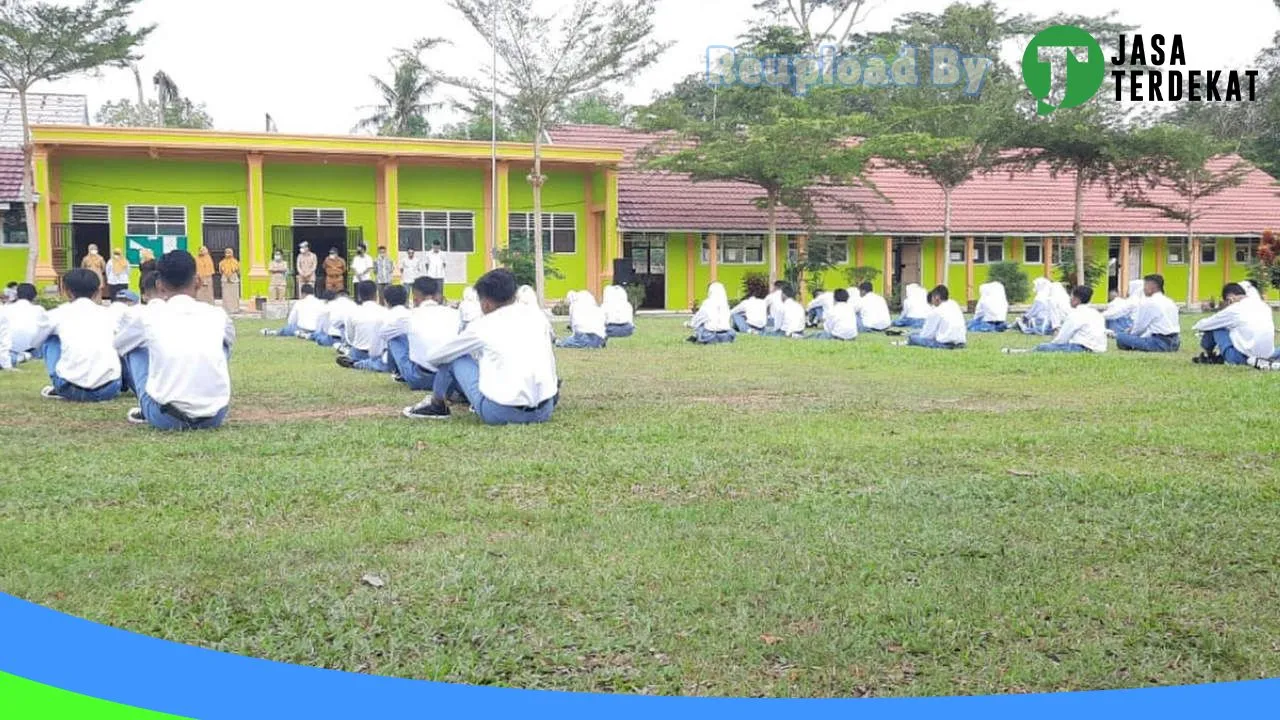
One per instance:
(1023,202)
(10,175)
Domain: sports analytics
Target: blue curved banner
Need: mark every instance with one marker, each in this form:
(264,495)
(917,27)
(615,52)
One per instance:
(96,661)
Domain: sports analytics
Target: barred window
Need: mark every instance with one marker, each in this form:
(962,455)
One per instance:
(420,230)
(559,231)
(155,220)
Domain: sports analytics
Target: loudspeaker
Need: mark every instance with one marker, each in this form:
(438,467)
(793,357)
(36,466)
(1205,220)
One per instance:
(623,272)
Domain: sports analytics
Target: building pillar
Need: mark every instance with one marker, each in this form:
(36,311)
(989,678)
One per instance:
(609,229)
(968,268)
(940,263)
(387,193)
(44,218)
(888,265)
(691,265)
(593,240)
(1160,254)
(1226,247)
(802,244)
(1193,265)
(1122,284)
(256,219)
(713,256)
(1046,249)
(502,232)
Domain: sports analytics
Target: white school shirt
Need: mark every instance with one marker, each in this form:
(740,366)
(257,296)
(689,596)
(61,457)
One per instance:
(395,322)
(587,318)
(25,319)
(824,300)
(305,314)
(430,327)
(773,303)
(435,265)
(6,343)
(86,330)
(410,268)
(1083,326)
(793,317)
(362,267)
(184,341)
(875,312)
(946,324)
(617,307)
(1156,315)
(517,364)
(1253,329)
(339,309)
(756,310)
(841,320)
(363,325)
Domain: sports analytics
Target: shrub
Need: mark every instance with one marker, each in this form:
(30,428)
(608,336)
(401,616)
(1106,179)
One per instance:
(1016,284)
(560,309)
(858,275)
(635,295)
(49,302)
(1094,270)
(518,258)
(755,283)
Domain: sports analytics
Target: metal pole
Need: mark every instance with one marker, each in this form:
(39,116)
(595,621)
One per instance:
(493,127)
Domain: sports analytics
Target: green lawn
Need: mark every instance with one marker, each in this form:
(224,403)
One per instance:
(767,518)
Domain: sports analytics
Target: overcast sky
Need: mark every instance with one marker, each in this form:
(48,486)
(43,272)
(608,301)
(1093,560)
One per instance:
(307,62)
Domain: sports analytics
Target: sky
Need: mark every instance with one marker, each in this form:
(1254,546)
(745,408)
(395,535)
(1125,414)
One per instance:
(308,62)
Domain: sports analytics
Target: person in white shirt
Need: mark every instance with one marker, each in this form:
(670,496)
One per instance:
(818,307)
(1155,326)
(363,325)
(177,354)
(873,311)
(1047,313)
(526,295)
(1243,330)
(332,331)
(619,316)
(394,323)
(1121,311)
(303,318)
(410,267)
(944,329)
(991,315)
(752,314)
(76,342)
(121,305)
(915,307)
(25,320)
(791,319)
(503,363)
(411,340)
(840,321)
(469,309)
(433,266)
(713,323)
(362,265)
(586,323)
(10,292)
(773,302)
(1083,330)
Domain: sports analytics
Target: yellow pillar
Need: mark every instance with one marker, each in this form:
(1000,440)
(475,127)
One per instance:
(504,204)
(612,246)
(1047,250)
(387,195)
(691,264)
(1160,254)
(256,219)
(888,265)
(802,243)
(968,268)
(44,218)
(1193,249)
(1122,283)
(593,237)
(713,255)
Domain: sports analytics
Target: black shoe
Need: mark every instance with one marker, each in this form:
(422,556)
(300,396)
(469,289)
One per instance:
(427,410)
(345,362)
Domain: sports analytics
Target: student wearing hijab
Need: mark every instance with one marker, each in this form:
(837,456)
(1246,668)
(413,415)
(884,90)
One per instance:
(204,276)
(229,268)
(586,323)
(1083,330)
(117,274)
(818,307)
(1243,330)
(791,320)
(1121,311)
(25,320)
(76,340)
(712,324)
(915,307)
(94,263)
(528,297)
(1043,318)
(619,316)
(992,312)
(841,321)
(304,317)
(335,271)
(469,309)
(1250,291)
(1155,326)
(873,310)
(944,329)
(752,314)
(278,270)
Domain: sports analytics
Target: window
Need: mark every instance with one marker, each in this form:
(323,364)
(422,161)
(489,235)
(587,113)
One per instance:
(559,231)
(647,252)
(829,250)
(220,215)
(735,249)
(1033,252)
(1246,250)
(422,229)
(1177,251)
(957,250)
(1208,251)
(93,214)
(152,220)
(988,250)
(325,217)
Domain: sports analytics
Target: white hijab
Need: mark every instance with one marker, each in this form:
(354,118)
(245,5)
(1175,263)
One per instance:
(1250,291)
(525,295)
(617,307)
(470,305)
(915,302)
(1060,303)
(993,304)
(713,314)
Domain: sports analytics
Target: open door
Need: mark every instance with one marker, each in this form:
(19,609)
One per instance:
(282,242)
(220,238)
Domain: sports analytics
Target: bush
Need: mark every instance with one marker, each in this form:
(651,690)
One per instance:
(49,302)
(858,275)
(755,283)
(1017,287)
(1094,270)
(560,309)
(518,258)
(635,295)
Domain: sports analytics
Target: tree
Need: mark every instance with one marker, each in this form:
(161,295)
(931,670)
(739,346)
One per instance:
(46,42)
(1173,172)
(819,22)
(477,121)
(180,113)
(597,43)
(166,92)
(596,108)
(404,107)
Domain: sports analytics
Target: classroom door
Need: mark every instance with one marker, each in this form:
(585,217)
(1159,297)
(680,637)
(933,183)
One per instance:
(1135,260)
(909,260)
(648,256)
(220,238)
(322,238)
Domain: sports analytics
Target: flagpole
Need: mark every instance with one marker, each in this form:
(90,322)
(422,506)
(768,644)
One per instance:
(493,128)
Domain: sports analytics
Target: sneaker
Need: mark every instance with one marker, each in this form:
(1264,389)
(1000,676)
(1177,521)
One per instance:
(48,392)
(135,416)
(1207,359)
(267,332)
(427,410)
(346,362)
(24,357)
(1265,364)
(342,349)
(303,335)
(397,377)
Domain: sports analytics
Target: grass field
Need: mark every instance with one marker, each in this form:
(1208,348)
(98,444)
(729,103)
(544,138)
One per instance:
(767,518)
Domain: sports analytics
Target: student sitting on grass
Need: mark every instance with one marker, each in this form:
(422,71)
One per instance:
(818,307)
(1155,326)
(526,295)
(303,318)
(25,319)
(752,314)
(177,354)
(713,324)
(333,331)
(873,310)
(1046,313)
(790,322)
(503,362)
(944,329)
(586,323)
(915,307)
(469,309)
(773,303)
(363,325)
(393,320)
(619,316)
(76,341)
(841,321)
(1083,330)
(1121,311)
(1244,329)
(991,315)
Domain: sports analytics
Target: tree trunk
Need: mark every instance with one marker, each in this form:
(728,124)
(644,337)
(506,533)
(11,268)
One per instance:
(28,201)
(536,179)
(1078,227)
(142,99)
(1192,266)
(946,236)
(773,238)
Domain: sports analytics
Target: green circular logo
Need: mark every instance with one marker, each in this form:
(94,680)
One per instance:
(1063,68)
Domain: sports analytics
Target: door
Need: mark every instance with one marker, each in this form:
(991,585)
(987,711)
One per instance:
(322,238)
(1135,261)
(282,242)
(648,256)
(62,245)
(909,261)
(220,238)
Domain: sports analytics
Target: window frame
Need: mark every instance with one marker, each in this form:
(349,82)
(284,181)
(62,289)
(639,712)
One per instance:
(1212,245)
(319,212)
(1038,244)
(454,221)
(131,225)
(204,215)
(549,229)
(1179,241)
(1251,244)
(742,242)
(982,249)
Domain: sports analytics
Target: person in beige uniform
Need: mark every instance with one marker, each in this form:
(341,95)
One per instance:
(94,263)
(204,276)
(229,268)
(278,268)
(306,265)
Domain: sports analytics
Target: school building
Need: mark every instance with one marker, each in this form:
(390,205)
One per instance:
(257,193)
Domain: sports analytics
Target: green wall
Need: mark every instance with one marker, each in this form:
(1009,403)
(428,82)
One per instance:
(443,188)
(13,264)
(678,271)
(564,192)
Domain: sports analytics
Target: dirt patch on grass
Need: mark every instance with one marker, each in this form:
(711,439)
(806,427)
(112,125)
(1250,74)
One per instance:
(261,416)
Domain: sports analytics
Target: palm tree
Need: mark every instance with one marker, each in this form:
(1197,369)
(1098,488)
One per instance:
(142,99)
(404,107)
(166,92)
